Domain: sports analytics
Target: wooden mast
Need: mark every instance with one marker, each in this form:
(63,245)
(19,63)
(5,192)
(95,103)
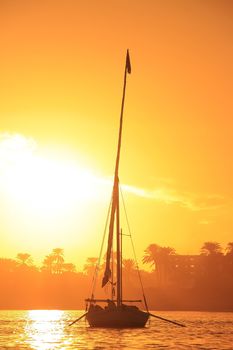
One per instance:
(116,187)
(115,214)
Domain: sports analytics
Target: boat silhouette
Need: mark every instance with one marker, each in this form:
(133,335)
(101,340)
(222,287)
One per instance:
(117,312)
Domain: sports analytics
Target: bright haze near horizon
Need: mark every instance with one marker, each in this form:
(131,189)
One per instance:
(61,68)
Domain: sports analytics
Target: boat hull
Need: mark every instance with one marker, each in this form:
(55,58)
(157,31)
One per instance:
(117,318)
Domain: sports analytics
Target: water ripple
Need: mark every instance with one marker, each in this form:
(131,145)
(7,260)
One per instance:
(48,330)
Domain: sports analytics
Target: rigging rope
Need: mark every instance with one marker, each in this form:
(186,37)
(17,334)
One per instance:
(94,279)
(134,252)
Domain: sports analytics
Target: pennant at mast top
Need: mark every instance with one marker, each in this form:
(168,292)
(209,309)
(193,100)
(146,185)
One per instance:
(128,64)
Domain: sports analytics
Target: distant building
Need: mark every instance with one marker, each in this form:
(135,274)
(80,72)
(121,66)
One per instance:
(183,269)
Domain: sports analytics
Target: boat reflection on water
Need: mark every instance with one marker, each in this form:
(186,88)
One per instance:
(45,328)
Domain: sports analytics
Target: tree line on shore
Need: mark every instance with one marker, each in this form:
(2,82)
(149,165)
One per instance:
(172,281)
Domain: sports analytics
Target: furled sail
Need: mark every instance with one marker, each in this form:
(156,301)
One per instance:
(107,273)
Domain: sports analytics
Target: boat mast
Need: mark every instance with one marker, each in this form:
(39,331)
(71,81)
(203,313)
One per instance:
(116,187)
(115,214)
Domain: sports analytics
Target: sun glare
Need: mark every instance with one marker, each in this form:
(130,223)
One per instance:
(44,327)
(39,181)
(43,186)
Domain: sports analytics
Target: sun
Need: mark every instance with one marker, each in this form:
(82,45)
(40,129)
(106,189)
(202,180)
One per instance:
(41,187)
(39,181)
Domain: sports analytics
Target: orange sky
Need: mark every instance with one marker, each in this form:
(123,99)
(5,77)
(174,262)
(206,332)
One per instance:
(61,68)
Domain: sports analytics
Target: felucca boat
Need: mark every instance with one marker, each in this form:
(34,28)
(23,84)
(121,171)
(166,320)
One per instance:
(116,312)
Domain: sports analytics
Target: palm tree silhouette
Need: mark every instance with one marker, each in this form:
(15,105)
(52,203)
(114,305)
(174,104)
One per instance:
(211,248)
(48,263)
(229,248)
(212,261)
(129,268)
(58,260)
(54,262)
(229,258)
(159,257)
(24,259)
(90,266)
(69,267)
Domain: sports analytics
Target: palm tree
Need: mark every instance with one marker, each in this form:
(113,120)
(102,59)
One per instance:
(48,263)
(24,259)
(151,255)
(160,258)
(58,253)
(58,260)
(54,262)
(129,267)
(229,248)
(211,248)
(90,266)
(229,257)
(69,267)
(212,263)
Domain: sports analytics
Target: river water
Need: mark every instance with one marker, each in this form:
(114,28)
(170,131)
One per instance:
(48,329)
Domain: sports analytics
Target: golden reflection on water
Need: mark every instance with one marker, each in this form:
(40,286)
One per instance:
(45,329)
(49,330)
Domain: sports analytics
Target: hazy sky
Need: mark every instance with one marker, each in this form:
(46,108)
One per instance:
(61,68)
